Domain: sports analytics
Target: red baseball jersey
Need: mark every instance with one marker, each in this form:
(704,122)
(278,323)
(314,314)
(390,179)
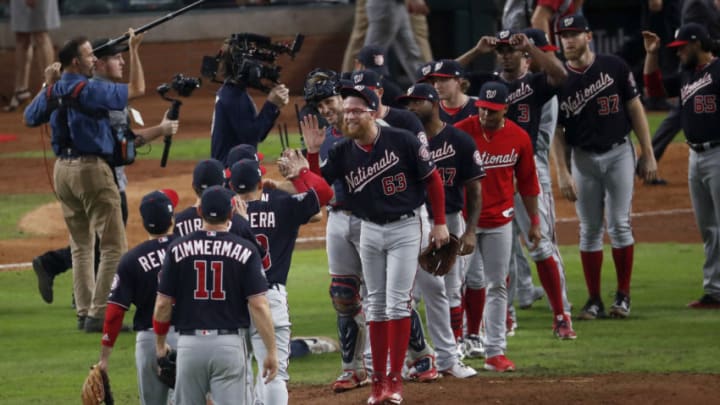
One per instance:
(506,154)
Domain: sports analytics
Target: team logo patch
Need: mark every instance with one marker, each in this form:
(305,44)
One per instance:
(508,213)
(477,158)
(426,70)
(423,138)
(504,34)
(358,78)
(115,282)
(424,153)
(379,60)
(438,66)
(359,88)
(410,90)
(490,94)
(568,21)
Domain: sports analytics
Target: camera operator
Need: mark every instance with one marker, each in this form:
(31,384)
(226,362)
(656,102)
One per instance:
(109,68)
(83,141)
(235,119)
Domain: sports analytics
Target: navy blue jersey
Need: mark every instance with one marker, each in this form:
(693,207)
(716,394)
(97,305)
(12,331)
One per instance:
(188,221)
(699,91)
(592,103)
(391,91)
(136,280)
(405,119)
(235,121)
(451,116)
(458,161)
(276,224)
(526,97)
(386,182)
(211,275)
(333,136)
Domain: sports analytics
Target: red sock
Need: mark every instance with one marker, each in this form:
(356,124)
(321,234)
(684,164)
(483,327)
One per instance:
(474,306)
(592,264)
(398,335)
(456,321)
(623,258)
(379,346)
(549,275)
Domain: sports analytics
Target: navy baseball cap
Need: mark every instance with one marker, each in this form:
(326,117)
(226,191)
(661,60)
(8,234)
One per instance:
(493,96)
(503,37)
(690,32)
(575,22)
(366,78)
(245,175)
(424,71)
(446,68)
(420,91)
(539,39)
(373,58)
(208,173)
(216,203)
(244,151)
(364,92)
(101,49)
(156,210)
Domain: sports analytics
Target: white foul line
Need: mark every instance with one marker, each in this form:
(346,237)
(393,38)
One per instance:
(311,239)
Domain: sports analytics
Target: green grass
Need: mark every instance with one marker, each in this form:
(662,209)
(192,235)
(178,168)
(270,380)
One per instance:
(14,206)
(185,149)
(45,358)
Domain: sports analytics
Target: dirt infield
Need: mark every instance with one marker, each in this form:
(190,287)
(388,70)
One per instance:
(661,214)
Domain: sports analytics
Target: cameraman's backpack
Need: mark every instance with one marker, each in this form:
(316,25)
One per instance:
(124,142)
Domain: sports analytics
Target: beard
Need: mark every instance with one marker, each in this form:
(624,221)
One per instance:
(357,129)
(692,61)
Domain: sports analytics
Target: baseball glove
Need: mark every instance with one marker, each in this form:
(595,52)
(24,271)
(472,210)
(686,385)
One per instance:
(439,261)
(168,368)
(96,388)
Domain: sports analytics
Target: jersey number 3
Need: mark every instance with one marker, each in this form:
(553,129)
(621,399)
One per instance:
(217,292)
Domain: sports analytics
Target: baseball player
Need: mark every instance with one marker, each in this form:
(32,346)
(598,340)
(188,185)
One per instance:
(447,76)
(528,92)
(136,283)
(460,168)
(276,223)
(342,239)
(213,283)
(391,166)
(697,87)
(507,156)
(599,105)
(208,173)
(389,116)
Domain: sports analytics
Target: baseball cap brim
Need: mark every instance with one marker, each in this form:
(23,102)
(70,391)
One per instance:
(675,44)
(575,29)
(490,105)
(441,75)
(548,48)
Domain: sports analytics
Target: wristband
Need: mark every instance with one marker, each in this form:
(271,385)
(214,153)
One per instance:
(161,328)
(534,219)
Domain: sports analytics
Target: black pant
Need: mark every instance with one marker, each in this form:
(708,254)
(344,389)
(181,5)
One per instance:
(666,132)
(59,261)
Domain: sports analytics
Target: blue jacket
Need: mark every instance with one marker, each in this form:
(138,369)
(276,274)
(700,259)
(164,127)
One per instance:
(91,135)
(235,121)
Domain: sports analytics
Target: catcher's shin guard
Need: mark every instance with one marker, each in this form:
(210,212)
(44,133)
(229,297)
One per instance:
(345,294)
